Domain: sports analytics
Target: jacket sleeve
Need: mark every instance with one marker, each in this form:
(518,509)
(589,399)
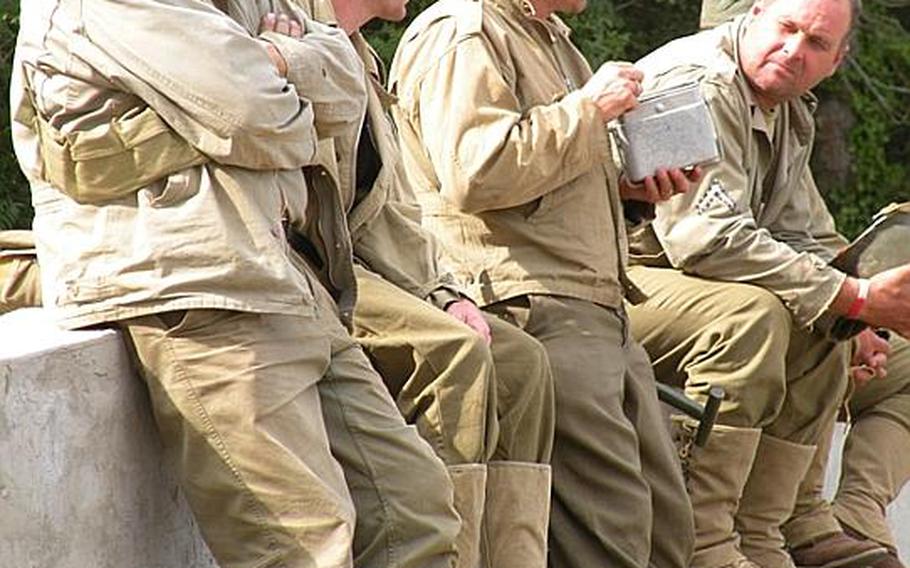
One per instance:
(209,79)
(488,153)
(327,72)
(712,232)
(400,250)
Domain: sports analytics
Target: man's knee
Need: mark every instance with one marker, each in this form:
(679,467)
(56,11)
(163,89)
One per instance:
(745,352)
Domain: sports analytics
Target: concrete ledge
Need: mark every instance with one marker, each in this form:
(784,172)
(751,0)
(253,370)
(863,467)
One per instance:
(82,479)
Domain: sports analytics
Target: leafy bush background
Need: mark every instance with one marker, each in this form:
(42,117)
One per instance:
(864,120)
(15,208)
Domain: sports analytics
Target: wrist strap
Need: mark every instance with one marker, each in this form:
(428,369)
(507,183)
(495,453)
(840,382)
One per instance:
(857,306)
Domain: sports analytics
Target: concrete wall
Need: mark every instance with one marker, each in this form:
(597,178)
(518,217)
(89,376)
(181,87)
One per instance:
(82,483)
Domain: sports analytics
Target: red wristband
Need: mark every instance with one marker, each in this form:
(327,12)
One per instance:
(857,306)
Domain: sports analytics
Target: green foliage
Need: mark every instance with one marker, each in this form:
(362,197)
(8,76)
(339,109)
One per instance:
(15,209)
(875,82)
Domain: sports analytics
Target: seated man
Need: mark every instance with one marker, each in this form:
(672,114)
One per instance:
(265,404)
(503,135)
(872,475)
(481,395)
(738,286)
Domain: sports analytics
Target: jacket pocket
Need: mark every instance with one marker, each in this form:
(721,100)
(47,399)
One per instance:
(175,189)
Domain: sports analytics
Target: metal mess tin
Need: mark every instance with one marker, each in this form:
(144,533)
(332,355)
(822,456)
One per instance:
(671,128)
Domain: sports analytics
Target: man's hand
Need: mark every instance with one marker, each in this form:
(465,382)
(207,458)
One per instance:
(281,24)
(888,303)
(466,312)
(661,186)
(614,88)
(870,359)
(284,25)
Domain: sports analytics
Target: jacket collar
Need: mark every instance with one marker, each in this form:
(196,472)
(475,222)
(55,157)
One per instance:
(525,9)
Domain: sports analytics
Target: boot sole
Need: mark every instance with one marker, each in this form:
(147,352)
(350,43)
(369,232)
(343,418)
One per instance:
(868,557)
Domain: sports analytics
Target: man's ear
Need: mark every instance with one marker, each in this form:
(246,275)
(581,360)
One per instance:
(841,55)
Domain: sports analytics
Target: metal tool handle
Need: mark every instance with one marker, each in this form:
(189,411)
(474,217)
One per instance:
(706,415)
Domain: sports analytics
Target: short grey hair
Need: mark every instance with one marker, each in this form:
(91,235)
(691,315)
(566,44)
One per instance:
(856,12)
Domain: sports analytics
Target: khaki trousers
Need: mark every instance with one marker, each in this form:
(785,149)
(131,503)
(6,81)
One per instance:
(474,403)
(618,493)
(282,435)
(873,472)
(702,333)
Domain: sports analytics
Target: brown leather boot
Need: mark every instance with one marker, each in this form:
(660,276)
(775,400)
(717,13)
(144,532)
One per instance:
(890,560)
(839,550)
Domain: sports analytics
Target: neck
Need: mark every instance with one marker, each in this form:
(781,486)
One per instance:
(351,14)
(764,102)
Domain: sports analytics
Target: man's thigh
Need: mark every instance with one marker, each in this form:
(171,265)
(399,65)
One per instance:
(235,397)
(524,394)
(602,507)
(439,370)
(716,12)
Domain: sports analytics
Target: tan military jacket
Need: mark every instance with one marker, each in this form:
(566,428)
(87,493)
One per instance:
(511,165)
(385,223)
(206,235)
(716,12)
(750,218)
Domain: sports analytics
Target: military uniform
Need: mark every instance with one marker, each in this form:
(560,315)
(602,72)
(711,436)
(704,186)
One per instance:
(872,474)
(487,411)
(736,285)
(513,170)
(275,421)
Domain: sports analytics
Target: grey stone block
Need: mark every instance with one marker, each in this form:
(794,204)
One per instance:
(82,478)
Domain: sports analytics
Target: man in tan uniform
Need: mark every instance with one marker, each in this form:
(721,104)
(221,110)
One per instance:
(872,473)
(276,423)
(502,128)
(737,283)
(487,410)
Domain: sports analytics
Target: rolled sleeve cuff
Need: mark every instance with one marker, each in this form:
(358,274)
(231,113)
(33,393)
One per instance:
(302,67)
(815,305)
(446,292)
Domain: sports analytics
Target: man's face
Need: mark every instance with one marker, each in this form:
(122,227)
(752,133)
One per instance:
(789,46)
